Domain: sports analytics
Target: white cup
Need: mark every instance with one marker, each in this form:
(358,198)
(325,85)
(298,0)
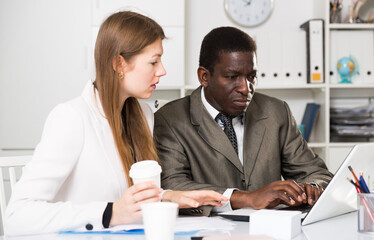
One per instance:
(146,170)
(159,220)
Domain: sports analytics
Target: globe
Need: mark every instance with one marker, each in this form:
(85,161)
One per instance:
(347,67)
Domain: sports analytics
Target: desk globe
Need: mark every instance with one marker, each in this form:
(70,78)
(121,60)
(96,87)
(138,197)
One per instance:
(347,68)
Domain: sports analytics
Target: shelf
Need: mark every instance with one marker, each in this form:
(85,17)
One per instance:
(278,86)
(317,145)
(296,86)
(350,86)
(344,144)
(351,26)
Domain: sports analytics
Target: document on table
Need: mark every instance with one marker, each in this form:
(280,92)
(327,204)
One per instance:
(184,225)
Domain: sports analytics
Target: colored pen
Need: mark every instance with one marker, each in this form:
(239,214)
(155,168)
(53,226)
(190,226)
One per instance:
(354,174)
(363,183)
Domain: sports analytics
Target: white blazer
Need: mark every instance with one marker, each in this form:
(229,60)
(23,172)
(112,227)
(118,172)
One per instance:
(75,171)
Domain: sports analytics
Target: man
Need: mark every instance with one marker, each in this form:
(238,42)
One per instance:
(225,138)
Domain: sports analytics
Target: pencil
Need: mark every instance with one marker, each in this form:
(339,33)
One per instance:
(354,174)
(356,185)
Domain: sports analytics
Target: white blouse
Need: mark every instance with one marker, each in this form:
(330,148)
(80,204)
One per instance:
(75,171)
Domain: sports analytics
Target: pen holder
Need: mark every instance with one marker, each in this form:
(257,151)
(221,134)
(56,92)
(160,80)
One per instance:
(336,15)
(365,204)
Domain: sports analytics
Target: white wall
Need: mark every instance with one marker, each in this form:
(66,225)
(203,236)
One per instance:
(46,56)
(43,61)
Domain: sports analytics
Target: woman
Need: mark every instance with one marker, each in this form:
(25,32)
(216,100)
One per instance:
(79,174)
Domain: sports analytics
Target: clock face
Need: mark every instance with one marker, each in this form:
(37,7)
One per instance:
(248,13)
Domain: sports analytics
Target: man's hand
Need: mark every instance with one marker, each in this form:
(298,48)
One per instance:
(280,192)
(313,191)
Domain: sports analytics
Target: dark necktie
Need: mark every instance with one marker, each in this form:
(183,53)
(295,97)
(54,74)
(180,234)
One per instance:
(228,129)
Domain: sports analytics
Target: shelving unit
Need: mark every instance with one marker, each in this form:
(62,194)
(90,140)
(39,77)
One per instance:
(336,151)
(298,94)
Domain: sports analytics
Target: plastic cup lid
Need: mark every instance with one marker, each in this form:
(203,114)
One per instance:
(144,169)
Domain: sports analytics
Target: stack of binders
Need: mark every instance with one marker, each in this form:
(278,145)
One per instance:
(352,124)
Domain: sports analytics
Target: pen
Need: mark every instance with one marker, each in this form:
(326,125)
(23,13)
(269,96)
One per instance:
(363,183)
(368,180)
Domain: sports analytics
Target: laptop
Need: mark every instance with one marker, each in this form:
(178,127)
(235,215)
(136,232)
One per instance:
(339,197)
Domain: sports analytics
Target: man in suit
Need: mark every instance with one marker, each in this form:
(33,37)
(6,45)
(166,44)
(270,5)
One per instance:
(225,138)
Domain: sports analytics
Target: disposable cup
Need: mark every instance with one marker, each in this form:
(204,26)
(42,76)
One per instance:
(159,220)
(146,170)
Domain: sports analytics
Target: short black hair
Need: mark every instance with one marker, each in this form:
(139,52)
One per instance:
(223,39)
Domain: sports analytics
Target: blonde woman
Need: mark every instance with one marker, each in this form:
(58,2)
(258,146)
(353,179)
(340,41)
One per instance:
(79,174)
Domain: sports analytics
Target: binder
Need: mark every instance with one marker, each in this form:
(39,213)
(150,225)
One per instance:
(293,58)
(310,118)
(315,50)
(334,56)
(263,57)
(275,60)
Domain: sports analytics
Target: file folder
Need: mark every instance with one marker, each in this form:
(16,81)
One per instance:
(315,50)
(310,118)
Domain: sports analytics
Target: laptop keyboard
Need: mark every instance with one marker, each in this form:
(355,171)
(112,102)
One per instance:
(302,208)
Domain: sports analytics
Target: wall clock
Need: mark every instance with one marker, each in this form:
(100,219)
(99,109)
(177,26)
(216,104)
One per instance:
(249,13)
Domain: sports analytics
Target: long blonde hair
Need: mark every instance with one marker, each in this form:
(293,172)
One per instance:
(124,34)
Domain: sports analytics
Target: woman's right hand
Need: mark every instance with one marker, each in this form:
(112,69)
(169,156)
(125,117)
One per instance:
(194,199)
(127,209)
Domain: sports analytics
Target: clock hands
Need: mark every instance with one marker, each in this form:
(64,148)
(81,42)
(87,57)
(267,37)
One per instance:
(247,2)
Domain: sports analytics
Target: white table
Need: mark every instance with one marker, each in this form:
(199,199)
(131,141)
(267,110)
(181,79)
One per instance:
(341,227)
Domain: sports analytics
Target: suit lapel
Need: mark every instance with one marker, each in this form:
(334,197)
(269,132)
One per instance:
(254,131)
(210,131)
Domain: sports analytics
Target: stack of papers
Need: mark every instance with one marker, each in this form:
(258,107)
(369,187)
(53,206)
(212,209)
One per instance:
(352,124)
(184,226)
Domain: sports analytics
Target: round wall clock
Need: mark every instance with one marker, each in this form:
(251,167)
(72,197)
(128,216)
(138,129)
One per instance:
(249,13)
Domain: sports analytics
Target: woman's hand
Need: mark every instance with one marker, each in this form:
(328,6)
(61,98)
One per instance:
(194,199)
(127,208)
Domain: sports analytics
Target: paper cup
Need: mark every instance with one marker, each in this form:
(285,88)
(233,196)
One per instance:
(146,170)
(159,220)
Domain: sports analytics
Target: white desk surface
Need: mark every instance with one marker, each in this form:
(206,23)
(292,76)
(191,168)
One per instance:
(341,227)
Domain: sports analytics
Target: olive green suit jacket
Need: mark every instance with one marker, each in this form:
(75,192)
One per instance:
(196,154)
